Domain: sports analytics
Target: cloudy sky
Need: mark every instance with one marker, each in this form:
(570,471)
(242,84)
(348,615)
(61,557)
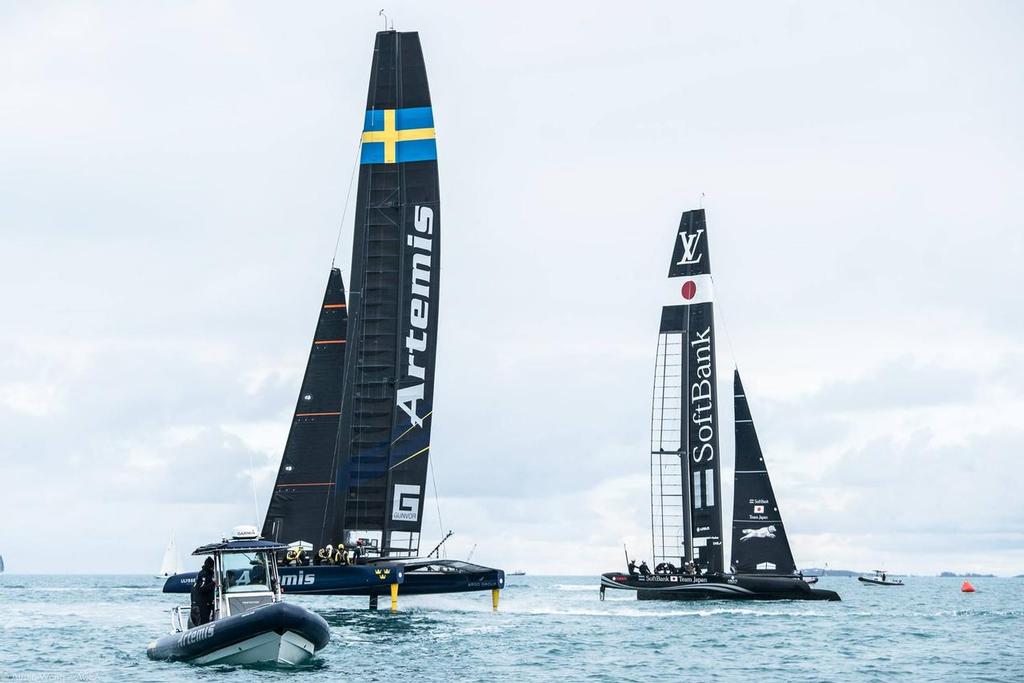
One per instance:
(173,177)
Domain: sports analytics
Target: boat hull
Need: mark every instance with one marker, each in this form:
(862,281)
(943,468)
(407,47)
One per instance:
(278,633)
(318,579)
(417,577)
(716,587)
(420,581)
(878,582)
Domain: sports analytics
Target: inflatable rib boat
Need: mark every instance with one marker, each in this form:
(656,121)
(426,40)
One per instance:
(880,578)
(250,624)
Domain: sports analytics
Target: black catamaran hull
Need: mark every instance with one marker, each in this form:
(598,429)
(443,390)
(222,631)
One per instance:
(716,587)
(425,577)
(279,633)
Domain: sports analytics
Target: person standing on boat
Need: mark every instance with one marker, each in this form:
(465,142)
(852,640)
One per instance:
(202,595)
(631,567)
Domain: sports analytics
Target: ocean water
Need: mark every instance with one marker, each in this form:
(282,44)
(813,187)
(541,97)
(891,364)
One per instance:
(73,628)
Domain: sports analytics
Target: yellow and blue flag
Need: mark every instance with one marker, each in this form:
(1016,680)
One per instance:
(395,136)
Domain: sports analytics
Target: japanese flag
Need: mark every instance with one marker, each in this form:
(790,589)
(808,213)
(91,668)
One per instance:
(759,509)
(689,289)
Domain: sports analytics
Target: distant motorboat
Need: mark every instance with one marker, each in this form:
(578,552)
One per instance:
(519,572)
(880,579)
(172,561)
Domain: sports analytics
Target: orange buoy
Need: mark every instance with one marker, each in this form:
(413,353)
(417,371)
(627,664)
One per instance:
(967,587)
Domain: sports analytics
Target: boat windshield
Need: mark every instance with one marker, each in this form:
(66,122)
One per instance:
(245,572)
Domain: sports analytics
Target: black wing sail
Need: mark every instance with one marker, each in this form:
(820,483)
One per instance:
(685,471)
(300,503)
(387,400)
(759,542)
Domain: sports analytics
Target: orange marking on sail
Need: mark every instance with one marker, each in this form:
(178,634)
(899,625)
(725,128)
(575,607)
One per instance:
(334,305)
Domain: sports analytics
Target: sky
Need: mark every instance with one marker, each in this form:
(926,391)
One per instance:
(173,180)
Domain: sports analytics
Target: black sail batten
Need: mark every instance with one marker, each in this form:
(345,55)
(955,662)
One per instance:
(387,402)
(685,457)
(759,541)
(303,492)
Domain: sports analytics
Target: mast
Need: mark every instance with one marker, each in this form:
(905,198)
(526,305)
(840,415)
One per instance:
(759,542)
(686,516)
(387,398)
(300,503)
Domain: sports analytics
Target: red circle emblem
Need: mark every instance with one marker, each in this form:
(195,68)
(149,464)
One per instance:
(689,289)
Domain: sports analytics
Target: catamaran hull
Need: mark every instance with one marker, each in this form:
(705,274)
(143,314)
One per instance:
(318,579)
(279,633)
(374,579)
(430,583)
(716,587)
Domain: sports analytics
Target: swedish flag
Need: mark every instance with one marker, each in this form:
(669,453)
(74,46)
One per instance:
(394,136)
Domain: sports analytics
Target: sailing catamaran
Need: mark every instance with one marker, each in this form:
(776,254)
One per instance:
(686,514)
(354,469)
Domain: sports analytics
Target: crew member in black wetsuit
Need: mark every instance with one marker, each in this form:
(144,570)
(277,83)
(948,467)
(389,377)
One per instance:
(631,567)
(202,595)
(644,569)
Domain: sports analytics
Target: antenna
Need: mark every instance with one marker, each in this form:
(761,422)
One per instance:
(255,499)
(386,27)
(701,194)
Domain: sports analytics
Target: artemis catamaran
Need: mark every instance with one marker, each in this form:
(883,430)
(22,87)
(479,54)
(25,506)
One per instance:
(354,469)
(686,514)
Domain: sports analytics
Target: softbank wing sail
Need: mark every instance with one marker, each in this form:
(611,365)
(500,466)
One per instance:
(686,501)
(387,398)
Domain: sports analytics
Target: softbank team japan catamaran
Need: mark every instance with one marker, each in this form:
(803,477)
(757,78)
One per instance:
(354,468)
(686,514)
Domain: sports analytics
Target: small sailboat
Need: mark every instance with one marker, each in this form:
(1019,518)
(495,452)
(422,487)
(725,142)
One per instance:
(171,564)
(880,578)
(686,514)
(250,624)
(1,564)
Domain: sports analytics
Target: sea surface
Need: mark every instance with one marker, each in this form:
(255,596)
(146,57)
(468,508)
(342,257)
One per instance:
(55,628)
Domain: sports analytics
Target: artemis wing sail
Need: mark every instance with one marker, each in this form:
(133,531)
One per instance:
(686,484)
(300,504)
(387,402)
(759,542)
